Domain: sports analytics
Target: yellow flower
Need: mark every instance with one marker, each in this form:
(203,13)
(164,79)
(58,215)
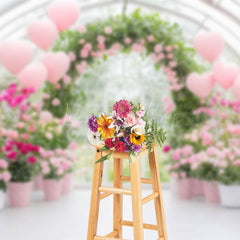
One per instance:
(137,139)
(104,122)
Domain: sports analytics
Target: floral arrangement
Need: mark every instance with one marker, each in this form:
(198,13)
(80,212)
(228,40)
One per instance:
(55,164)
(5,175)
(22,160)
(127,129)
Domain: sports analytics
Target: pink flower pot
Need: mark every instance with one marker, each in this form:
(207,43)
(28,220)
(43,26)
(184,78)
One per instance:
(19,193)
(52,189)
(211,192)
(198,187)
(38,182)
(66,184)
(184,188)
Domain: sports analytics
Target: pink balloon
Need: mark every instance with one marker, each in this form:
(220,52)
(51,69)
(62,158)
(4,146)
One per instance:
(15,55)
(43,33)
(225,74)
(209,45)
(57,65)
(63,13)
(236,88)
(33,76)
(200,85)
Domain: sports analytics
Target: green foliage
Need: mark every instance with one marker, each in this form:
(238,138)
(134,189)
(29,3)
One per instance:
(230,175)
(3,186)
(22,171)
(207,171)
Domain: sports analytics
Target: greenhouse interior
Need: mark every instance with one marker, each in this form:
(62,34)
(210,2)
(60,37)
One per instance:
(120,119)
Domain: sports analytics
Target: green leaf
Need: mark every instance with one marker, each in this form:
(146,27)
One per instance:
(132,156)
(107,157)
(104,148)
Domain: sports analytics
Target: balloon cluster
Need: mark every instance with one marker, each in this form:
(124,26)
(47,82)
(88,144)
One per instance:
(16,56)
(209,46)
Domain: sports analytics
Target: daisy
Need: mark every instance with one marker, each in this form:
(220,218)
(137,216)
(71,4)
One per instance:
(94,138)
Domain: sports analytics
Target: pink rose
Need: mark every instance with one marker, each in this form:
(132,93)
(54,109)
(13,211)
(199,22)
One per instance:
(66,79)
(101,39)
(168,49)
(81,28)
(127,41)
(6,176)
(130,120)
(150,38)
(84,53)
(72,56)
(158,48)
(108,30)
(48,135)
(3,164)
(56,102)
(20,125)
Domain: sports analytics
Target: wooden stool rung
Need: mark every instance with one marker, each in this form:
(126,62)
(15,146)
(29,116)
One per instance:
(106,238)
(143,180)
(115,190)
(149,198)
(104,195)
(145,225)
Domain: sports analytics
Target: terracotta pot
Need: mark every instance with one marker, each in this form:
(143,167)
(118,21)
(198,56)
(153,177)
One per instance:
(211,192)
(198,187)
(38,182)
(185,188)
(52,189)
(19,193)
(230,195)
(2,199)
(66,184)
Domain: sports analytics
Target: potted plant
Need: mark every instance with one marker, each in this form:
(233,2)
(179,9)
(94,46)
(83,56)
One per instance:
(22,165)
(4,178)
(209,172)
(181,169)
(230,185)
(53,171)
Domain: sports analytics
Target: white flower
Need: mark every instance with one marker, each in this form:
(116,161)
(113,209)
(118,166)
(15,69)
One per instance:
(94,138)
(138,129)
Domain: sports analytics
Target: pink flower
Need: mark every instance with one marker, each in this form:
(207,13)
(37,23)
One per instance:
(84,53)
(20,125)
(45,170)
(141,122)
(81,28)
(82,41)
(12,134)
(56,102)
(12,155)
(183,175)
(176,155)
(122,108)
(72,56)
(187,149)
(158,48)
(173,64)
(108,30)
(170,56)
(31,128)
(6,176)
(130,120)
(60,171)
(3,164)
(127,41)
(46,116)
(168,49)
(24,136)
(101,46)
(49,135)
(31,159)
(26,117)
(101,39)
(88,47)
(140,113)
(150,38)
(166,148)
(72,146)
(66,79)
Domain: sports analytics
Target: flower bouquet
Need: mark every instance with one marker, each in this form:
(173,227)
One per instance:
(127,129)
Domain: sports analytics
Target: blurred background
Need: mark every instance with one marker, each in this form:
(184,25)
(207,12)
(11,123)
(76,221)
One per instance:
(179,58)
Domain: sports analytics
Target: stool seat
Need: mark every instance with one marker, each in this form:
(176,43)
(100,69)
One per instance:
(100,192)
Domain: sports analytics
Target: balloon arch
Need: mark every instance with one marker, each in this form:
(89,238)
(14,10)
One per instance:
(71,52)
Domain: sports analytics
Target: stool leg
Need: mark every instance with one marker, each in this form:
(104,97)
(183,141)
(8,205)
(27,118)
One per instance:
(136,199)
(156,185)
(117,198)
(95,198)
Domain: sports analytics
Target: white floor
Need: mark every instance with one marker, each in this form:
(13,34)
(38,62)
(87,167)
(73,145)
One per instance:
(68,219)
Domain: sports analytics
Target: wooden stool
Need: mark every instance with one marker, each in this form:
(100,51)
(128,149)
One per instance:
(99,192)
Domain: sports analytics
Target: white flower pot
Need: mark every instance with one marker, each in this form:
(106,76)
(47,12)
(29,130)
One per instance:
(230,195)
(2,199)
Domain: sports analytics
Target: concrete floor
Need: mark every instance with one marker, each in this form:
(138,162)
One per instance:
(68,219)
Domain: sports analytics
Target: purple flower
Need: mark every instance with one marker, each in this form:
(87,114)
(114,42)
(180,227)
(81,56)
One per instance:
(136,148)
(127,140)
(126,148)
(92,124)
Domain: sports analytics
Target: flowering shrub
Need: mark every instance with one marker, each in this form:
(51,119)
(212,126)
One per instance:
(126,130)
(22,160)
(55,164)
(4,174)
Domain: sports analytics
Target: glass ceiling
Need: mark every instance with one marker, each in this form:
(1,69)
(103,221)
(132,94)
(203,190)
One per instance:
(219,15)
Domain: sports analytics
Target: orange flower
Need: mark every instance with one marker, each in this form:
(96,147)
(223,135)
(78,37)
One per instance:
(104,122)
